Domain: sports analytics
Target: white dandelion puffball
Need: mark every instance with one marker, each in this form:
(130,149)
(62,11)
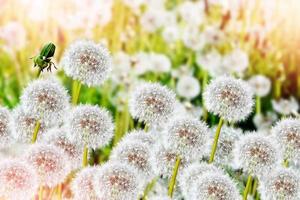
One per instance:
(287,133)
(286,106)
(91,125)
(152,103)
(147,138)
(5,126)
(46,99)
(264,122)
(230,98)
(260,84)
(214,186)
(87,62)
(281,184)
(236,62)
(188,87)
(226,143)
(60,138)
(18,180)
(159,63)
(257,154)
(50,162)
(188,136)
(82,185)
(116,181)
(24,124)
(192,173)
(135,154)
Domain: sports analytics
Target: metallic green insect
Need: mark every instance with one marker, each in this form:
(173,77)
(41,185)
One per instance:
(43,60)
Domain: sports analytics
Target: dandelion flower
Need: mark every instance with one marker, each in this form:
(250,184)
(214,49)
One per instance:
(60,138)
(281,184)
(159,63)
(230,98)
(152,103)
(82,185)
(91,125)
(46,100)
(116,181)
(191,173)
(49,162)
(147,138)
(87,62)
(135,154)
(187,135)
(5,126)
(236,61)
(257,154)
(18,180)
(214,186)
(287,133)
(188,87)
(286,106)
(260,84)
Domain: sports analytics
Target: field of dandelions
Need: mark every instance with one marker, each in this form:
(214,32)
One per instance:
(148,100)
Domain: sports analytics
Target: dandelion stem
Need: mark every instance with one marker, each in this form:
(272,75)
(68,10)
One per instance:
(254,188)
(76,92)
(286,163)
(246,191)
(149,187)
(85,156)
(215,144)
(174,176)
(258,105)
(41,193)
(39,72)
(59,191)
(35,132)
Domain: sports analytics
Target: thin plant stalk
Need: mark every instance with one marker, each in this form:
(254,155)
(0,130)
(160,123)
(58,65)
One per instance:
(216,139)
(173,177)
(59,191)
(286,163)
(149,187)
(36,131)
(39,72)
(247,188)
(254,188)
(41,193)
(85,156)
(75,92)
(258,105)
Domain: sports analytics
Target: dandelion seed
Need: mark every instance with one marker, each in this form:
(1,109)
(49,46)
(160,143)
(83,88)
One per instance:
(116,181)
(18,180)
(91,125)
(87,62)
(50,162)
(229,98)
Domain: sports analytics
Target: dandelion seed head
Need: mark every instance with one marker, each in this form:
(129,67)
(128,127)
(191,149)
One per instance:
(147,138)
(91,125)
(46,100)
(214,186)
(87,62)
(229,98)
(17,179)
(257,154)
(5,126)
(260,84)
(188,87)
(50,162)
(82,186)
(135,154)
(287,133)
(116,181)
(152,103)
(281,184)
(187,135)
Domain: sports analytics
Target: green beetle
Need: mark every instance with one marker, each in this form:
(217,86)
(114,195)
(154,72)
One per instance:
(43,60)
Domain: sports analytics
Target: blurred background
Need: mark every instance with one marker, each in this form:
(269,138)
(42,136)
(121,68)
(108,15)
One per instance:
(266,31)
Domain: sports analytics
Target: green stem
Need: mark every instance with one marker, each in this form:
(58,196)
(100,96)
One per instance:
(258,105)
(35,132)
(286,163)
(76,92)
(39,72)
(148,188)
(254,188)
(216,139)
(85,156)
(246,191)
(174,176)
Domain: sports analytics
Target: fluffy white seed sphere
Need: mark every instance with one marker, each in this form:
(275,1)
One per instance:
(87,62)
(214,186)
(281,184)
(50,162)
(287,133)
(24,124)
(60,138)
(230,98)
(152,103)
(135,154)
(46,99)
(116,181)
(188,87)
(257,154)
(18,180)
(188,136)
(260,84)
(147,138)
(91,125)
(82,186)
(192,173)
(5,126)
